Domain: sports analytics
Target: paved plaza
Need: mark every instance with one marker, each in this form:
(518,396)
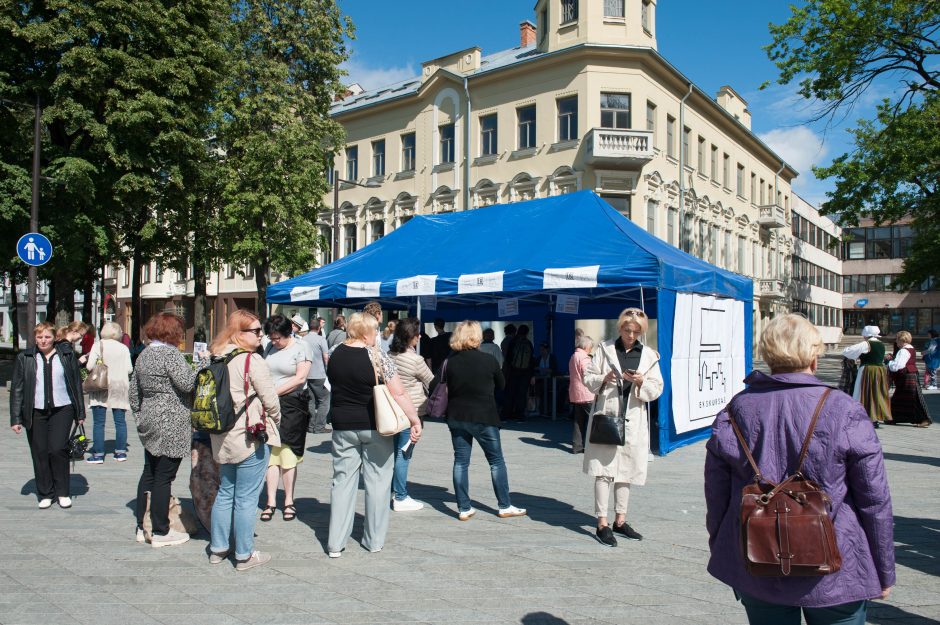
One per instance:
(83,565)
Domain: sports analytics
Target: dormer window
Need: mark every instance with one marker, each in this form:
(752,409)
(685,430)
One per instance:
(645,15)
(613,8)
(569,11)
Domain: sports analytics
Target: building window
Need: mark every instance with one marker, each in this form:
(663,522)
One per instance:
(378,157)
(159,276)
(651,119)
(615,110)
(526,119)
(740,179)
(352,163)
(619,202)
(741,255)
(127,276)
(408,152)
(326,236)
(671,226)
(349,239)
(701,155)
(686,134)
(488,135)
(230,271)
(726,171)
(145,273)
(568,118)
(753,187)
(613,8)
(713,245)
(670,136)
(569,11)
(447,143)
(377,228)
(651,217)
(714,163)
(543,26)
(726,251)
(249,272)
(645,15)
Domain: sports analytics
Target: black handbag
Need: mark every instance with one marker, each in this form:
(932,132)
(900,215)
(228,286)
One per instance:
(78,443)
(608,429)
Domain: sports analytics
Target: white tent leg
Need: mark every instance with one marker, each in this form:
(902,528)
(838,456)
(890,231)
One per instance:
(649,419)
(420,323)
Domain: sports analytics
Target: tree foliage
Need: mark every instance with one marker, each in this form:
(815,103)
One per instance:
(838,51)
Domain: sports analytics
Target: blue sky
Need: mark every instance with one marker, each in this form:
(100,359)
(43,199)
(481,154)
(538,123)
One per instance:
(713,42)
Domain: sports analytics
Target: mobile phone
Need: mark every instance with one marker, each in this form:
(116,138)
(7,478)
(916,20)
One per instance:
(631,371)
(407,449)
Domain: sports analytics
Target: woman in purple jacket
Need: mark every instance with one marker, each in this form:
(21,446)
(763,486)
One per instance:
(844,457)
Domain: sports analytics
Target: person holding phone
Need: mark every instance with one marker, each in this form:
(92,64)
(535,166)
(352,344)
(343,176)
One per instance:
(622,370)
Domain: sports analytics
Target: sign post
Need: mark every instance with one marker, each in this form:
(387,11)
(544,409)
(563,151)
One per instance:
(35,250)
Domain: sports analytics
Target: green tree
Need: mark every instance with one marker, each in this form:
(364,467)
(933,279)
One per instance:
(276,133)
(838,51)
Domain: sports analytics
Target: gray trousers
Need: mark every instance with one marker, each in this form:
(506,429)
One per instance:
(319,404)
(364,451)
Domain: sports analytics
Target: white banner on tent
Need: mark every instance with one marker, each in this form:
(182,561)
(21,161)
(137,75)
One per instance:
(363,289)
(707,358)
(416,285)
(480,282)
(301,293)
(568,304)
(570,277)
(508,307)
(428,302)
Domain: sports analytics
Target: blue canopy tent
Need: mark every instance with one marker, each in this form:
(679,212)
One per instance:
(573,244)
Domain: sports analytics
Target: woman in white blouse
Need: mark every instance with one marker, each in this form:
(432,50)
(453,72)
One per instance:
(907,403)
(111,352)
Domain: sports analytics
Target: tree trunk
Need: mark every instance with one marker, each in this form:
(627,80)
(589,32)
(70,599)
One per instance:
(14,313)
(200,310)
(88,289)
(261,282)
(136,307)
(50,298)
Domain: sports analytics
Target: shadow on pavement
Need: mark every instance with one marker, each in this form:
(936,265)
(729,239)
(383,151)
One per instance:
(542,618)
(918,544)
(892,615)
(78,486)
(929,460)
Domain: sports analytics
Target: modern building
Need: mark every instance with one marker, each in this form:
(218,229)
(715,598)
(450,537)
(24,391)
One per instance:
(584,101)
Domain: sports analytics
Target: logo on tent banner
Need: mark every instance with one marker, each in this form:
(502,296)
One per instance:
(302,293)
(570,277)
(416,285)
(363,289)
(480,282)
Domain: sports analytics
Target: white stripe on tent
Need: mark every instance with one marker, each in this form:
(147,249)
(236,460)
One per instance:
(300,293)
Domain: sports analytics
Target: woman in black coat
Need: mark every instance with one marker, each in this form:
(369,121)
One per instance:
(45,400)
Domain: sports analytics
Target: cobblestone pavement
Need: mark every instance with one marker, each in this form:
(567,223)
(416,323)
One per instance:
(83,566)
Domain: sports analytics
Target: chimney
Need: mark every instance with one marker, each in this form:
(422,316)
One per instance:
(526,33)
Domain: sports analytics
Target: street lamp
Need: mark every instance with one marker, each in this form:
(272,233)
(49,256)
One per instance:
(33,220)
(336,182)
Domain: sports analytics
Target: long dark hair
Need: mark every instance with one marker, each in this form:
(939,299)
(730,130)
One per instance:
(405,332)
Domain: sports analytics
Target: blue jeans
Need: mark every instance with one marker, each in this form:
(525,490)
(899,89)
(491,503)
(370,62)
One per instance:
(99,414)
(764,613)
(400,476)
(462,434)
(237,503)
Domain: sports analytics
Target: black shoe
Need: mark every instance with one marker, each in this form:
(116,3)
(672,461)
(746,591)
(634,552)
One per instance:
(605,536)
(627,532)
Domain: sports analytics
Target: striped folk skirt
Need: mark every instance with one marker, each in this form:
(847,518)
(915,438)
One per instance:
(907,403)
(871,390)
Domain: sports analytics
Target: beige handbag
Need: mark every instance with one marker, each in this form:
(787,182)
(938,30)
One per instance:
(97,379)
(390,418)
(181,519)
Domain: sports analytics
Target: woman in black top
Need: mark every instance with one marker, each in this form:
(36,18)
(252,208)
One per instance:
(472,378)
(355,367)
(45,399)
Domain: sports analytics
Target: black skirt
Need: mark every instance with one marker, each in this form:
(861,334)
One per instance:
(907,403)
(295,417)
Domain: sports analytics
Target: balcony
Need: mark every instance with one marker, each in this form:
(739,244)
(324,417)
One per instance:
(772,216)
(624,147)
(772,290)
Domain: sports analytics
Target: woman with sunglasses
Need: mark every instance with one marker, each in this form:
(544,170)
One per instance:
(289,361)
(243,451)
(623,374)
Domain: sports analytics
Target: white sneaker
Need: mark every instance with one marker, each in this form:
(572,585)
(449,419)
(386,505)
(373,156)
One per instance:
(466,516)
(406,505)
(140,537)
(511,511)
(336,554)
(65,502)
(256,559)
(45,503)
(171,539)
(931,388)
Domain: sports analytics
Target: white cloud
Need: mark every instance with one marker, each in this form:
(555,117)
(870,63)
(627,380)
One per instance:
(799,146)
(369,77)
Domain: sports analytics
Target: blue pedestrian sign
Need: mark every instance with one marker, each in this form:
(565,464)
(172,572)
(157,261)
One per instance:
(34,249)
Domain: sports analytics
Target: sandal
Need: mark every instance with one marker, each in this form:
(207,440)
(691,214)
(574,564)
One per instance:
(290,512)
(268,513)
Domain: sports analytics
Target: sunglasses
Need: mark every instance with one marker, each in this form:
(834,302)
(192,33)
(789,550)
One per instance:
(255,331)
(636,312)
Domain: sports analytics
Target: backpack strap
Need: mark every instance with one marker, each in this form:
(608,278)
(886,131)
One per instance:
(248,400)
(812,428)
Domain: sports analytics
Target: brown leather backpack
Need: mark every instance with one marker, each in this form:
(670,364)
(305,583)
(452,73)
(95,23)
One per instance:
(786,529)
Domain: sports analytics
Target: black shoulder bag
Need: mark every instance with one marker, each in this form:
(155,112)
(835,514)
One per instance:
(609,429)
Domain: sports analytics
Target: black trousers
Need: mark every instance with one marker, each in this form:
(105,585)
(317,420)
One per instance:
(517,392)
(48,443)
(159,473)
(581,413)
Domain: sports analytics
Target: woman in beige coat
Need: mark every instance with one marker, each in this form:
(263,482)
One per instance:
(622,369)
(243,452)
(117,358)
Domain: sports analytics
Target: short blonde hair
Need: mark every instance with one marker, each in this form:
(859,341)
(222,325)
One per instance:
(467,335)
(360,325)
(789,343)
(904,337)
(112,330)
(633,315)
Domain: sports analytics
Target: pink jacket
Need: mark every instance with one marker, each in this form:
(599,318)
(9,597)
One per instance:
(578,393)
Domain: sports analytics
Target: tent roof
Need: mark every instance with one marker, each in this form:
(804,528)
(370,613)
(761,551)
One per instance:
(574,243)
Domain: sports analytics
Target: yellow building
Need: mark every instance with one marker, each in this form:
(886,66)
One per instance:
(584,102)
